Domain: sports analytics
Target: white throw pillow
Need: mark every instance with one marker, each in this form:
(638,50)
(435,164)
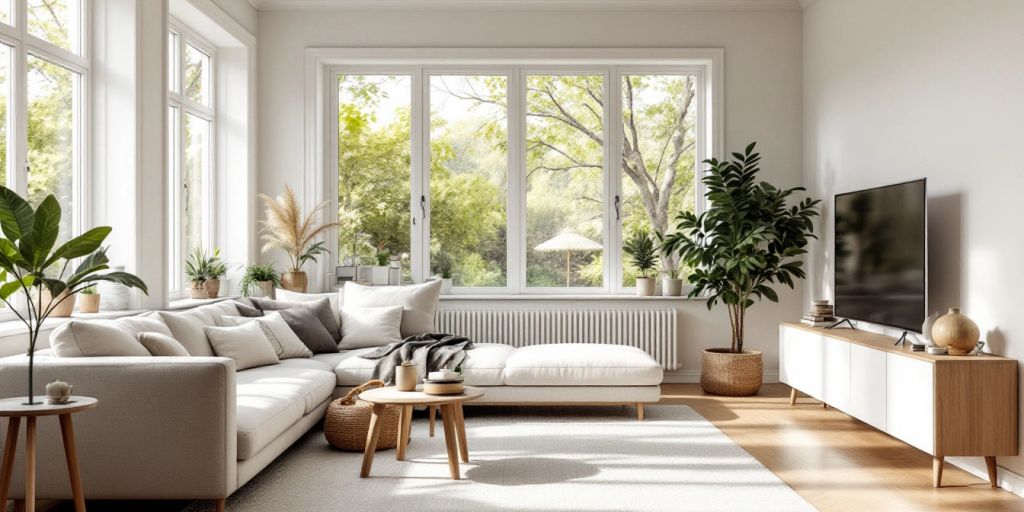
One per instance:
(286,343)
(95,338)
(418,301)
(370,326)
(161,345)
(335,298)
(187,328)
(245,343)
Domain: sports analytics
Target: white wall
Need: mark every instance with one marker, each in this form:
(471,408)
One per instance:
(241,11)
(917,88)
(762,95)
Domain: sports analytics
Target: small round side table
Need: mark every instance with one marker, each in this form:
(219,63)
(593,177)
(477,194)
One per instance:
(14,409)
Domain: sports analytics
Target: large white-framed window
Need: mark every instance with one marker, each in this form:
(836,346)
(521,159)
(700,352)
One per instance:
(191,116)
(515,175)
(44,67)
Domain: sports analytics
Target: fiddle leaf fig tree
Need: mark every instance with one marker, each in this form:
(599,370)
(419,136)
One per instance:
(748,241)
(29,262)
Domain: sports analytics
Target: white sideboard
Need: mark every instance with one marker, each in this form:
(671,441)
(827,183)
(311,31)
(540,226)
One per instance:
(942,405)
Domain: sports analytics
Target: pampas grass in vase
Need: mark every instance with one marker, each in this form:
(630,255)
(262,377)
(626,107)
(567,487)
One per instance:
(286,228)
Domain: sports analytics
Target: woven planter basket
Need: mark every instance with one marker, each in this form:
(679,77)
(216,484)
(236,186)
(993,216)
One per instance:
(727,374)
(348,422)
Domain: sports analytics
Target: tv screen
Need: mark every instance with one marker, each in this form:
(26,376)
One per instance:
(880,255)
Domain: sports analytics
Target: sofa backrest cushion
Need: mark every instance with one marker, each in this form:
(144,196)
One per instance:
(320,308)
(370,326)
(187,328)
(95,338)
(161,345)
(245,343)
(418,301)
(286,343)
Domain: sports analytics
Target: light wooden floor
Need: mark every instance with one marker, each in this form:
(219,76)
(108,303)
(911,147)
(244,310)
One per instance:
(834,461)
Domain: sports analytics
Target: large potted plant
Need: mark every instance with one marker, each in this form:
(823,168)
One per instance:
(747,242)
(259,278)
(29,264)
(644,258)
(286,228)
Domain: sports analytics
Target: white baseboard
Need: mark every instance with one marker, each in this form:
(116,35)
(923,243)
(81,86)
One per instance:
(1005,478)
(693,377)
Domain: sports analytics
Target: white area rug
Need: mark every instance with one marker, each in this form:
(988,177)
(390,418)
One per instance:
(532,460)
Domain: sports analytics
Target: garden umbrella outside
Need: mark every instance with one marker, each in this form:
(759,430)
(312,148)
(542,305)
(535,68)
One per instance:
(568,241)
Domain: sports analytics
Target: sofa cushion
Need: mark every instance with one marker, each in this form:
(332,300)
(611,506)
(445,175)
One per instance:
(363,327)
(333,297)
(418,301)
(581,364)
(483,366)
(161,345)
(187,328)
(94,339)
(246,344)
(272,398)
(320,309)
(286,343)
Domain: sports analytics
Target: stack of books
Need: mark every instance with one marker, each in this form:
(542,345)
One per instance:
(822,314)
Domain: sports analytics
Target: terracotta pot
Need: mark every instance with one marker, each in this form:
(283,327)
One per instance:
(728,374)
(671,287)
(212,288)
(266,289)
(198,290)
(294,281)
(645,286)
(956,332)
(63,309)
(89,303)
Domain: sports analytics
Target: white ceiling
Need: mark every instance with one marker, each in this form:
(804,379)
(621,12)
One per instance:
(532,4)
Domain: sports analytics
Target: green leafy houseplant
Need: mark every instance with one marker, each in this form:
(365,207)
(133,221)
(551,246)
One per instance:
(258,273)
(197,269)
(748,241)
(444,265)
(29,261)
(640,249)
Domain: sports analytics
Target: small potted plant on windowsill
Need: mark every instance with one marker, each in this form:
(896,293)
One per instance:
(444,269)
(197,269)
(88,300)
(216,269)
(671,285)
(643,256)
(261,279)
(747,241)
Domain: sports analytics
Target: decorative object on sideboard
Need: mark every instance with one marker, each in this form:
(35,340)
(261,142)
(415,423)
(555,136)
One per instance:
(89,300)
(746,241)
(114,296)
(348,421)
(568,241)
(643,257)
(821,314)
(58,392)
(955,331)
(286,228)
(936,351)
(259,281)
(62,306)
(33,264)
(926,329)
(405,376)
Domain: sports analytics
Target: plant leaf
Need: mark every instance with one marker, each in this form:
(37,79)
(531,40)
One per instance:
(16,216)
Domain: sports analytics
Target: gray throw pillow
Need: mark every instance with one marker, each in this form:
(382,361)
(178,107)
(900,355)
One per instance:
(321,310)
(308,328)
(247,310)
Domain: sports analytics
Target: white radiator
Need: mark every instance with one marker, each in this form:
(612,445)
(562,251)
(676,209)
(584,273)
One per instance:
(651,330)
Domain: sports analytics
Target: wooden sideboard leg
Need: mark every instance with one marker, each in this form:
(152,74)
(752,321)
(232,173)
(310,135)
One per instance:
(990,461)
(792,397)
(937,463)
(219,505)
(640,411)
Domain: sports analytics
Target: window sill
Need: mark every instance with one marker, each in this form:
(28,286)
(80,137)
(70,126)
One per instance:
(539,297)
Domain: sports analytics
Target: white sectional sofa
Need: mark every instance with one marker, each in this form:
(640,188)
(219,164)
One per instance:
(195,428)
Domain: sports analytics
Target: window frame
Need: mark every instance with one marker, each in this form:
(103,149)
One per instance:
(22,45)
(705,65)
(185,106)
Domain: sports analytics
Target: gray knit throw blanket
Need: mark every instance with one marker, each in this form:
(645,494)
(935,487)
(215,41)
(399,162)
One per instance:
(429,352)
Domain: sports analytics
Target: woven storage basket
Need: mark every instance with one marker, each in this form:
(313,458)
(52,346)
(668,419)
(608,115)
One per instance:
(727,374)
(348,422)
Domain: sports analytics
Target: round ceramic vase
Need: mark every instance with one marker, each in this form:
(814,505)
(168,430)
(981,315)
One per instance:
(955,331)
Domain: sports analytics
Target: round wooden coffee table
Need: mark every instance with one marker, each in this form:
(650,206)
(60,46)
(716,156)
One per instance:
(451,411)
(14,409)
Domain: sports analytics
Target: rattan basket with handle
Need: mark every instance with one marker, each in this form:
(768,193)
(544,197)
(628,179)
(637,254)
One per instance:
(348,421)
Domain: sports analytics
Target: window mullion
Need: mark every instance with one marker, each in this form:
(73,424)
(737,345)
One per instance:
(615,197)
(514,250)
(419,207)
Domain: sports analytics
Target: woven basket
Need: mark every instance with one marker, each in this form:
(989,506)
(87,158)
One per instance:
(348,422)
(728,374)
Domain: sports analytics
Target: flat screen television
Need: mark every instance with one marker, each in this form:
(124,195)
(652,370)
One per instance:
(881,255)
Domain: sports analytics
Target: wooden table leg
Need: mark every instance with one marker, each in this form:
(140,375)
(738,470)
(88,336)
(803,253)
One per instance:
(990,461)
(640,411)
(937,471)
(792,397)
(371,440)
(67,432)
(432,411)
(30,464)
(460,428)
(404,426)
(448,421)
(10,446)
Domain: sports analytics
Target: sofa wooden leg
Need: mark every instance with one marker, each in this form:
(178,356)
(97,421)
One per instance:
(432,411)
(219,504)
(937,463)
(993,476)
(640,411)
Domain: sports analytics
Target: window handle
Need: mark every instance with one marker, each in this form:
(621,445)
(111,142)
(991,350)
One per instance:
(617,215)
(423,206)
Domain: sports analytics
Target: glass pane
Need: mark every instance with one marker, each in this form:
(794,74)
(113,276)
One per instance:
(195,170)
(173,63)
(197,75)
(57,21)
(658,120)
(5,96)
(6,13)
(564,184)
(173,188)
(468,179)
(374,169)
(52,119)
